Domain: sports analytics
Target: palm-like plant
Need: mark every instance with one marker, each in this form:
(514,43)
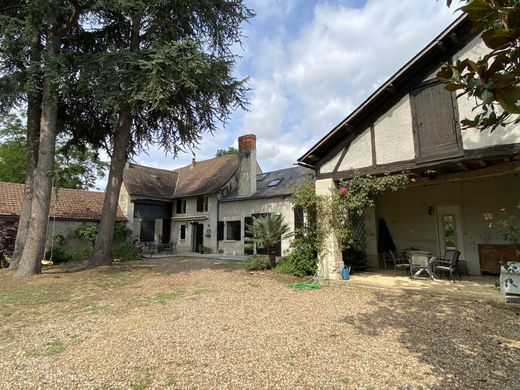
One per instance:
(267,231)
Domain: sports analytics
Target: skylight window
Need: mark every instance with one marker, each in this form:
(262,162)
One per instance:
(274,183)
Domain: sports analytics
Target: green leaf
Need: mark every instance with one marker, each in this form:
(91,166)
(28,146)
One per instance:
(497,38)
(508,98)
(476,9)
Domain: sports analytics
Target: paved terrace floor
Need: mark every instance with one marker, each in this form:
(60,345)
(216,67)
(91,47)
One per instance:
(480,288)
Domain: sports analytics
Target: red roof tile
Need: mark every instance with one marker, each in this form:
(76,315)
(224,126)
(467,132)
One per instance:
(68,204)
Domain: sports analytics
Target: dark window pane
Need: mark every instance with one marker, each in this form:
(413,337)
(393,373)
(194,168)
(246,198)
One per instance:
(183,232)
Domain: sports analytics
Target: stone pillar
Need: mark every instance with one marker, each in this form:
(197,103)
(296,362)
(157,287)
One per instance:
(330,261)
(246,165)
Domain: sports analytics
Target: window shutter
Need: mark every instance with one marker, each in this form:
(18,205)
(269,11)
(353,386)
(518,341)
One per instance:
(237,234)
(220,230)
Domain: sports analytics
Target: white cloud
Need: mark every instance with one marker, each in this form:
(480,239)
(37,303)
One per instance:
(311,64)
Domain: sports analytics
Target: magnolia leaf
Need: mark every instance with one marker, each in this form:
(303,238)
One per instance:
(476,9)
(508,98)
(497,38)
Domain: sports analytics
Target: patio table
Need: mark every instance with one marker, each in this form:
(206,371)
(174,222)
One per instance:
(421,261)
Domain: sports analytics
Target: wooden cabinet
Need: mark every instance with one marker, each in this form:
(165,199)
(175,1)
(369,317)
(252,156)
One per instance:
(491,255)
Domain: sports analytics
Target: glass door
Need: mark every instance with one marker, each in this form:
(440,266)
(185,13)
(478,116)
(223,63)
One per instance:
(449,229)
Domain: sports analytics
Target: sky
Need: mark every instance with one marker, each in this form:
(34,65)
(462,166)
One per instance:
(310,63)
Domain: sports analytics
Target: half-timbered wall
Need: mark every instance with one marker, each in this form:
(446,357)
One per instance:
(433,115)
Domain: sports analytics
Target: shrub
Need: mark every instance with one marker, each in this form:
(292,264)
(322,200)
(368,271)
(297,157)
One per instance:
(301,261)
(257,263)
(126,253)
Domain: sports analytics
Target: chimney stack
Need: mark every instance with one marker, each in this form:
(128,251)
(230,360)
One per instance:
(246,165)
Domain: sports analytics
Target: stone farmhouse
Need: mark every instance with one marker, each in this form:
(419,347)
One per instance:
(205,206)
(412,123)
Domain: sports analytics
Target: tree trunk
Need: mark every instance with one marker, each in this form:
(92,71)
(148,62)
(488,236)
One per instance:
(101,253)
(271,252)
(102,247)
(34,112)
(33,251)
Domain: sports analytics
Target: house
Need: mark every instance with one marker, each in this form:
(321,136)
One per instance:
(205,206)
(412,123)
(70,209)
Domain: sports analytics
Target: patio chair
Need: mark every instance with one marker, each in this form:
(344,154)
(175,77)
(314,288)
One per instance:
(398,262)
(420,263)
(448,263)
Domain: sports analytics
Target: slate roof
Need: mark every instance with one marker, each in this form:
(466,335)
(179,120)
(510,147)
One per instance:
(149,182)
(71,204)
(290,179)
(205,177)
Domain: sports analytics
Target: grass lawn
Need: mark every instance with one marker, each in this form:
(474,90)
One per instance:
(187,323)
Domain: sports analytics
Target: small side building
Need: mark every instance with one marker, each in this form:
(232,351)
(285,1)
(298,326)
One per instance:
(70,209)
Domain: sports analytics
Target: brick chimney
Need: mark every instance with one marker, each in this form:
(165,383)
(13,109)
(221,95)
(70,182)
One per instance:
(246,165)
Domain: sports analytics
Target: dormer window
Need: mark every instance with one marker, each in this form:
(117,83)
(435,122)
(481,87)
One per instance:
(274,183)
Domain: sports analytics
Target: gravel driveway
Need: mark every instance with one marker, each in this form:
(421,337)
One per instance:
(187,323)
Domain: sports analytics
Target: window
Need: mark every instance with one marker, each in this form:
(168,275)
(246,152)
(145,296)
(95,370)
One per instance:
(233,230)
(181,206)
(220,230)
(202,203)
(183,232)
(274,183)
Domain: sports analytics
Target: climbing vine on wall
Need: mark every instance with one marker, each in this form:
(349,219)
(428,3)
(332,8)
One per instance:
(352,198)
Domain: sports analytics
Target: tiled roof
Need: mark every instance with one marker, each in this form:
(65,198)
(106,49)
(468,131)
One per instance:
(69,204)
(148,181)
(205,177)
(289,179)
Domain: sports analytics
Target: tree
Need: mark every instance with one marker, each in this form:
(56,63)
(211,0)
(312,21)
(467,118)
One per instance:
(267,231)
(493,80)
(21,83)
(223,152)
(167,77)
(76,166)
(55,20)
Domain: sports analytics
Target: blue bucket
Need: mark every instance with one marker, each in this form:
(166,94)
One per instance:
(345,273)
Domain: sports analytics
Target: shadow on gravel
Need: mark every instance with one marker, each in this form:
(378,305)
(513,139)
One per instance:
(470,345)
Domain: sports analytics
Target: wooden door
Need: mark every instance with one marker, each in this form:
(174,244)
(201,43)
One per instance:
(198,236)
(435,123)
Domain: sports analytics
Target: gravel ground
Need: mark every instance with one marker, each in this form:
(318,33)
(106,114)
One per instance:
(185,323)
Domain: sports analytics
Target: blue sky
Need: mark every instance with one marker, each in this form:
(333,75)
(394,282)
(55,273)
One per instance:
(310,63)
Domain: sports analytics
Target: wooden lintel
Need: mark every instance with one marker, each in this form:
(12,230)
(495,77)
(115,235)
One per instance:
(491,171)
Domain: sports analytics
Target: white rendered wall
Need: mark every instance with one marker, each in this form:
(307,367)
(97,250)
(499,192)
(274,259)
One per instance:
(210,225)
(359,154)
(238,210)
(394,135)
